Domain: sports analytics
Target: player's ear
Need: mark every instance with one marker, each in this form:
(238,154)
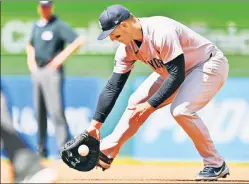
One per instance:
(124,24)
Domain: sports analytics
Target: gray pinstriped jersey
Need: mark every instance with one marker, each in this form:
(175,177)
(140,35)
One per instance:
(163,40)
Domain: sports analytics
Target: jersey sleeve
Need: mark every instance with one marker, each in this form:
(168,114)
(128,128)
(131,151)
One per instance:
(67,33)
(168,44)
(123,61)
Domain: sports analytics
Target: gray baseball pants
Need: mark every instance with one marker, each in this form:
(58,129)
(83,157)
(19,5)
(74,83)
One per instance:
(48,97)
(200,86)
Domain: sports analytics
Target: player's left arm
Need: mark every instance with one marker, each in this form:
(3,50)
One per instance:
(69,36)
(176,69)
(173,58)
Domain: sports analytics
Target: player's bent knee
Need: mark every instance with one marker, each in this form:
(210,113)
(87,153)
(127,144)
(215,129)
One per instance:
(180,111)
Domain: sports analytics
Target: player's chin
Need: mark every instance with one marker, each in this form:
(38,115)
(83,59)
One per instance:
(125,42)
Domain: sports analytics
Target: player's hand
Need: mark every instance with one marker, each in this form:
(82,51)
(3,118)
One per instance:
(141,112)
(53,65)
(32,67)
(94,129)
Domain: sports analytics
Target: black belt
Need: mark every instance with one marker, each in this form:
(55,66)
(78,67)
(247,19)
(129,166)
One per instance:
(42,65)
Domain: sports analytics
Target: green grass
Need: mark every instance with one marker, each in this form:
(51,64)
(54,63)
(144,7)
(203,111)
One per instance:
(102,66)
(80,12)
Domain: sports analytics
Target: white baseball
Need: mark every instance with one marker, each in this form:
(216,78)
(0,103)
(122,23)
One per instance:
(83,150)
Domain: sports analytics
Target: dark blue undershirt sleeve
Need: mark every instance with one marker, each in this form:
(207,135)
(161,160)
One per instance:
(176,69)
(109,95)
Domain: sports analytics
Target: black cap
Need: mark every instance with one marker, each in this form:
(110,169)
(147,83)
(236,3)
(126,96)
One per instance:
(110,18)
(45,3)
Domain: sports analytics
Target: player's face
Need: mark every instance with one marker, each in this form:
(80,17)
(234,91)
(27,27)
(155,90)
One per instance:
(45,11)
(122,33)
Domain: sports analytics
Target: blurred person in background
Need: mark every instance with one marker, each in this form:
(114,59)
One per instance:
(45,57)
(25,164)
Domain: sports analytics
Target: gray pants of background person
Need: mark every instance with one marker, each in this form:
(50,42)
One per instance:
(48,97)
(25,161)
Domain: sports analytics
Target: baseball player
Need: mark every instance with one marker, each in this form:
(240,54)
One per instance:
(26,164)
(45,58)
(188,70)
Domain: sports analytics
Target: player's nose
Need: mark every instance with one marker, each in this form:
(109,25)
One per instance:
(112,38)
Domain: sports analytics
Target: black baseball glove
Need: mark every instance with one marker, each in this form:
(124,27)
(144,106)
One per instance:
(69,153)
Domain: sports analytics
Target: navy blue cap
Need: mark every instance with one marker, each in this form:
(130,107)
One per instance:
(45,3)
(110,18)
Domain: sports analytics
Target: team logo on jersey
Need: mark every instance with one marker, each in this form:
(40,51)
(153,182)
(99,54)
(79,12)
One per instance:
(47,35)
(156,63)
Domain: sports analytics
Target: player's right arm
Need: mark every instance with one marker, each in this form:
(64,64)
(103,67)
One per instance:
(31,53)
(110,93)
(107,99)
